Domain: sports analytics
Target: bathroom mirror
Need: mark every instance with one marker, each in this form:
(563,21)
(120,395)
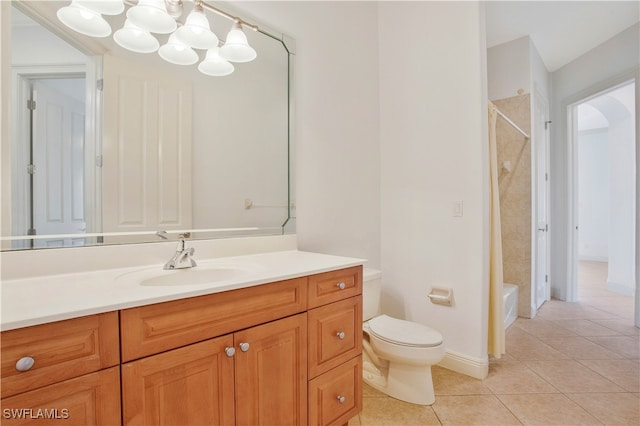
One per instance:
(111,146)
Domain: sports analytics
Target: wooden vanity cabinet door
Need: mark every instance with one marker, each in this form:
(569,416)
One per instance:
(193,385)
(89,400)
(271,375)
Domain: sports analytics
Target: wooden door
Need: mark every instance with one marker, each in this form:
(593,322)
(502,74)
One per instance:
(271,373)
(146,170)
(192,385)
(59,160)
(92,399)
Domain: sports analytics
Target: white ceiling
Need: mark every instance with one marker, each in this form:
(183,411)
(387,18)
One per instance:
(561,30)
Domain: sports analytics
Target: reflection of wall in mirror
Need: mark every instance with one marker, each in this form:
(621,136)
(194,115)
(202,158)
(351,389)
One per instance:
(36,54)
(241,130)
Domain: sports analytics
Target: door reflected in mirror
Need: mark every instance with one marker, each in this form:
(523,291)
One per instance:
(111,146)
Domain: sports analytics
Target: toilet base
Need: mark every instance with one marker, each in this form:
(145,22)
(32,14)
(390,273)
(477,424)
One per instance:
(404,382)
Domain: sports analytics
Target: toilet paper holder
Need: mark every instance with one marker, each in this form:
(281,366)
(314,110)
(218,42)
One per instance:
(441,296)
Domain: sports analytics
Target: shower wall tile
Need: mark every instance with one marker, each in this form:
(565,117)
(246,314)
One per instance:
(515,196)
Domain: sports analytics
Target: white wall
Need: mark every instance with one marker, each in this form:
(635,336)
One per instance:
(336,122)
(593,195)
(509,68)
(433,135)
(622,206)
(594,71)
(36,45)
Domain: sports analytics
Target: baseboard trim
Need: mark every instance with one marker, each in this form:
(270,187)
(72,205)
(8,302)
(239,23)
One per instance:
(474,367)
(620,288)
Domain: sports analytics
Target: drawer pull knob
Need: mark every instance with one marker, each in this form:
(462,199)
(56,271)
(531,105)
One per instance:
(340,335)
(341,285)
(341,399)
(25,363)
(244,346)
(230,351)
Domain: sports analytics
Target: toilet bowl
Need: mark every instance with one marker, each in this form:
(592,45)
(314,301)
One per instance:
(397,354)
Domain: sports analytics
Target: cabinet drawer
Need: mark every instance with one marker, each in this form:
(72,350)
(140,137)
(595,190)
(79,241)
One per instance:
(60,350)
(336,396)
(89,400)
(335,285)
(160,327)
(335,334)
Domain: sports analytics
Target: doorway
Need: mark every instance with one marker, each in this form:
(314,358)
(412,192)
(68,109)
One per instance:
(49,195)
(603,140)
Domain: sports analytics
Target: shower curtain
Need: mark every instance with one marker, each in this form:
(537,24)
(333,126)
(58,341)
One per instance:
(496,344)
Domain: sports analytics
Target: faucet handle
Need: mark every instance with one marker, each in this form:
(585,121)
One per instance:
(184,235)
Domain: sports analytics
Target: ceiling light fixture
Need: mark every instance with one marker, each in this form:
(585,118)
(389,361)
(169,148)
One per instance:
(145,17)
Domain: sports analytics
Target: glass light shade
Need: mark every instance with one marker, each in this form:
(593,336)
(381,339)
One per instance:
(135,39)
(105,7)
(83,20)
(236,48)
(214,64)
(177,52)
(151,15)
(196,31)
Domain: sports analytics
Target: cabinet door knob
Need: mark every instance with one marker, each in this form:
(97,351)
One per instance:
(341,399)
(230,351)
(341,285)
(340,335)
(244,346)
(25,363)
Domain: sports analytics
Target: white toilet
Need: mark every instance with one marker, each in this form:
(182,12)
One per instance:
(397,354)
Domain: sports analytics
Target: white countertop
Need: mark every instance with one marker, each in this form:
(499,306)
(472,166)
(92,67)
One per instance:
(33,301)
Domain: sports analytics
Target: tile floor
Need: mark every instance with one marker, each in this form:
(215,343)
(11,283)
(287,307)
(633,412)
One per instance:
(574,364)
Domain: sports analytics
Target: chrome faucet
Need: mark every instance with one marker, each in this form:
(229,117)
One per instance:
(182,258)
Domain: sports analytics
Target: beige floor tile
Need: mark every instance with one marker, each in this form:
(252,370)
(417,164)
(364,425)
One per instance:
(515,377)
(547,409)
(621,326)
(473,410)
(611,408)
(623,372)
(355,421)
(543,328)
(586,328)
(578,347)
(571,376)
(523,346)
(447,382)
(390,411)
(627,346)
(370,392)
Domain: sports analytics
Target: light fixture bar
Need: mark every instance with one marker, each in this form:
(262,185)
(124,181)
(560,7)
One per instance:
(211,9)
(228,16)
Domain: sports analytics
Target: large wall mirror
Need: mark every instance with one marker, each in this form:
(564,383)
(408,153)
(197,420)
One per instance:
(111,146)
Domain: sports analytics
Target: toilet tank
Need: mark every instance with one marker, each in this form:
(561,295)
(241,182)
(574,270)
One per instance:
(371,285)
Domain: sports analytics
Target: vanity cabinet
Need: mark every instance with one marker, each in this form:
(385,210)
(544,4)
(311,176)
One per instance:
(65,370)
(335,346)
(282,353)
(255,374)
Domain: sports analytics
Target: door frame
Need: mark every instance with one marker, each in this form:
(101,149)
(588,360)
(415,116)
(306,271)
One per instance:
(570,108)
(537,163)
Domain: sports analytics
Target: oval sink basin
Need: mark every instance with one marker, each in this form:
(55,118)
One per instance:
(204,273)
(191,276)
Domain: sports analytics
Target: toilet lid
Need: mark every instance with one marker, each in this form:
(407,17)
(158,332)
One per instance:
(403,332)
